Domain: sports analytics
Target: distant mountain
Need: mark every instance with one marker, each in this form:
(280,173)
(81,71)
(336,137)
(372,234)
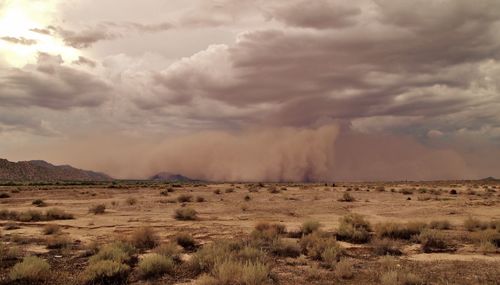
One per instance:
(490,179)
(39,170)
(166,176)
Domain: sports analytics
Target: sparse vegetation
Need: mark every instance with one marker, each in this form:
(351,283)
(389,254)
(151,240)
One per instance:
(51,229)
(399,231)
(31,270)
(97,209)
(155,265)
(144,238)
(106,272)
(185,240)
(347,197)
(185,198)
(354,228)
(39,203)
(186,214)
(131,201)
(309,227)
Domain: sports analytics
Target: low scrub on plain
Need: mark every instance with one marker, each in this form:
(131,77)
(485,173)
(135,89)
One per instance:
(155,265)
(399,231)
(185,240)
(144,238)
(106,272)
(354,228)
(434,241)
(186,214)
(30,271)
(97,209)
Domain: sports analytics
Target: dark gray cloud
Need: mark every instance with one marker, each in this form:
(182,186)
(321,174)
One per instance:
(319,14)
(20,40)
(51,85)
(85,61)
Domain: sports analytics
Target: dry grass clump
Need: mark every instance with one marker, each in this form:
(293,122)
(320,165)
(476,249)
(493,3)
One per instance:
(309,227)
(217,192)
(229,190)
(354,228)
(38,203)
(11,226)
(31,270)
(344,269)
(320,246)
(383,247)
(118,251)
(184,198)
(8,254)
(144,238)
(97,209)
(488,240)
(155,265)
(4,195)
(440,225)
(186,214)
(58,242)
(169,249)
(131,201)
(433,241)
(285,248)
(347,197)
(265,234)
(472,224)
(57,214)
(186,241)
(273,189)
(397,277)
(399,231)
(200,199)
(106,272)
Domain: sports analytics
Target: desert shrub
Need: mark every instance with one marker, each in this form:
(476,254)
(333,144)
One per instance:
(57,214)
(97,209)
(39,203)
(273,189)
(380,189)
(309,227)
(473,224)
(453,192)
(4,195)
(200,199)
(354,228)
(164,193)
(395,277)
(217,192)
(433,241)
(106,272)
(185,240)
(155,265)
(489,236)
(285,249)
(31,216)
(144,238)
(406,191)
(170,250)
(265,234)
(252,254)
(229,190)
(319,246)
(31,270)
(344,269)
(347,197)
(186,214)
(8,253)
(119,252)
(185,198)
(247,198)
(131,201)
(385,246)
(440,225)
(11,226)
(58,242)
(209,255)
(399,231)
(234,272)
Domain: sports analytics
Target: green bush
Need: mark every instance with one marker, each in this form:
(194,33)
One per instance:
(106,272)
(31,270)
(155,265)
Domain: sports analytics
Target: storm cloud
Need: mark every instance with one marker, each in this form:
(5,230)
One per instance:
(421,76)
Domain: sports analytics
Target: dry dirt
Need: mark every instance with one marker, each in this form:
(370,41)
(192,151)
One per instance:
(228,216)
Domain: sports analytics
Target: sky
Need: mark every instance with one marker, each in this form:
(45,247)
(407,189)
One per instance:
(242,90)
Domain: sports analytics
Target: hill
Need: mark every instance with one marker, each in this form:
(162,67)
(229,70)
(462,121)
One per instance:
(39,170)
(166,176)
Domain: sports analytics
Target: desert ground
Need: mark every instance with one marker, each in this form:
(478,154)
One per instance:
(250,233)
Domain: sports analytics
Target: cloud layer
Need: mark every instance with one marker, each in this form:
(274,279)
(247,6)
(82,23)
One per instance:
(420,76)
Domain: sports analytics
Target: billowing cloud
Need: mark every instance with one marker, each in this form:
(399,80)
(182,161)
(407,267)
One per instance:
(20,40)
(51,85)
(419,76)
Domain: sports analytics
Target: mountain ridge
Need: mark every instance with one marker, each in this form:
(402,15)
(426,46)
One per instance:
(40,170)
